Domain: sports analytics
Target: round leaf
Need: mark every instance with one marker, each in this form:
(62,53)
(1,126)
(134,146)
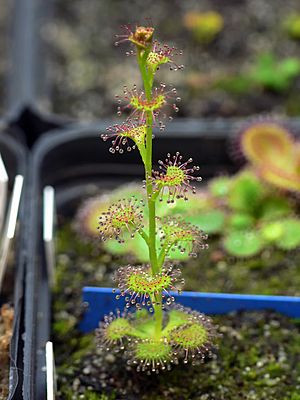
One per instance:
(210,221)
(243,244)
(241,221)
(290,238)
(272,231)
(220,187)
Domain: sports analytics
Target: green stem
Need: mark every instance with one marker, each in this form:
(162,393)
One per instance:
(147,77)
(162,255)
(158,313)
(144,235)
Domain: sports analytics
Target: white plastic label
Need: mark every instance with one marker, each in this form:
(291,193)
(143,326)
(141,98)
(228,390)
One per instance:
(10,224)
(48,230)
(3,192)
(50,372)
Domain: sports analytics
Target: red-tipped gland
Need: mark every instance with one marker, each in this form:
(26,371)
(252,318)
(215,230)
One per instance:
(125,215)
(123,134)
(182,235)
(137,102)
(151,356)
(193,340)
(141,287)
(174,178)
(113,331)
(141,36)
(163,54)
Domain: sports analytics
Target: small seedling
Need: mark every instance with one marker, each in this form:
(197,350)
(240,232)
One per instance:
(204,26)
(291,25)
(275,75)
(255,216)
(158,334)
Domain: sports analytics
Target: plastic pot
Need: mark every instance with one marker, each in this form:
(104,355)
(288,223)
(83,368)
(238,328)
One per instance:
(76,163)
(15,158)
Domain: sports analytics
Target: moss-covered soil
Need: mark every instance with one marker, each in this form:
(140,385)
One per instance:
(6,323)
(258,356)
(86,70)
(272,272)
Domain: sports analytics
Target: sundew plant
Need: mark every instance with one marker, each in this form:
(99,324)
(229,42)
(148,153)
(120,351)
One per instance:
(152,332)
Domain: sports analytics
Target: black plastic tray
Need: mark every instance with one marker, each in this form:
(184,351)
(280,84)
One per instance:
(76,160)
(15,159)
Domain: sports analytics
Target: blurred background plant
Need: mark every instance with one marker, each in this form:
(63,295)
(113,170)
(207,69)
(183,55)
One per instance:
(245,213)
(291,25)
(204,26)
(242,57)
(273,74)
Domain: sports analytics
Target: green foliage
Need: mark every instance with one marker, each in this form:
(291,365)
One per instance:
(185,333)
(291,25)
(272,231)
(272,74)
(220,187)
(243,243)
(275,207)
(250,217)
(266,72)
(246,192)
(240,221)
(204,26)
(149,285)
(237,84)
(255,216)
(290,238)
(211,221)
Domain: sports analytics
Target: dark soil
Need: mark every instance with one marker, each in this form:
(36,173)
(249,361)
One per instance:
(258,356)
(86,70)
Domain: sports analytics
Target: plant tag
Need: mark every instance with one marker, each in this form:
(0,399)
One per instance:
(3,191)
(49,216)
(10,225)
(50,372)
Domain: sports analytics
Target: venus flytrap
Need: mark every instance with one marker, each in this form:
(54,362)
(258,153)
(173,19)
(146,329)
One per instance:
(161,334)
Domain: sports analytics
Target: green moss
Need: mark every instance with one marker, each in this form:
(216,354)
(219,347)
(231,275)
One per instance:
(250,348)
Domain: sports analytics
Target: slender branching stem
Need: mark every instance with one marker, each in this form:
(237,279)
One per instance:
(163,252)
(144,235)
(147,77)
